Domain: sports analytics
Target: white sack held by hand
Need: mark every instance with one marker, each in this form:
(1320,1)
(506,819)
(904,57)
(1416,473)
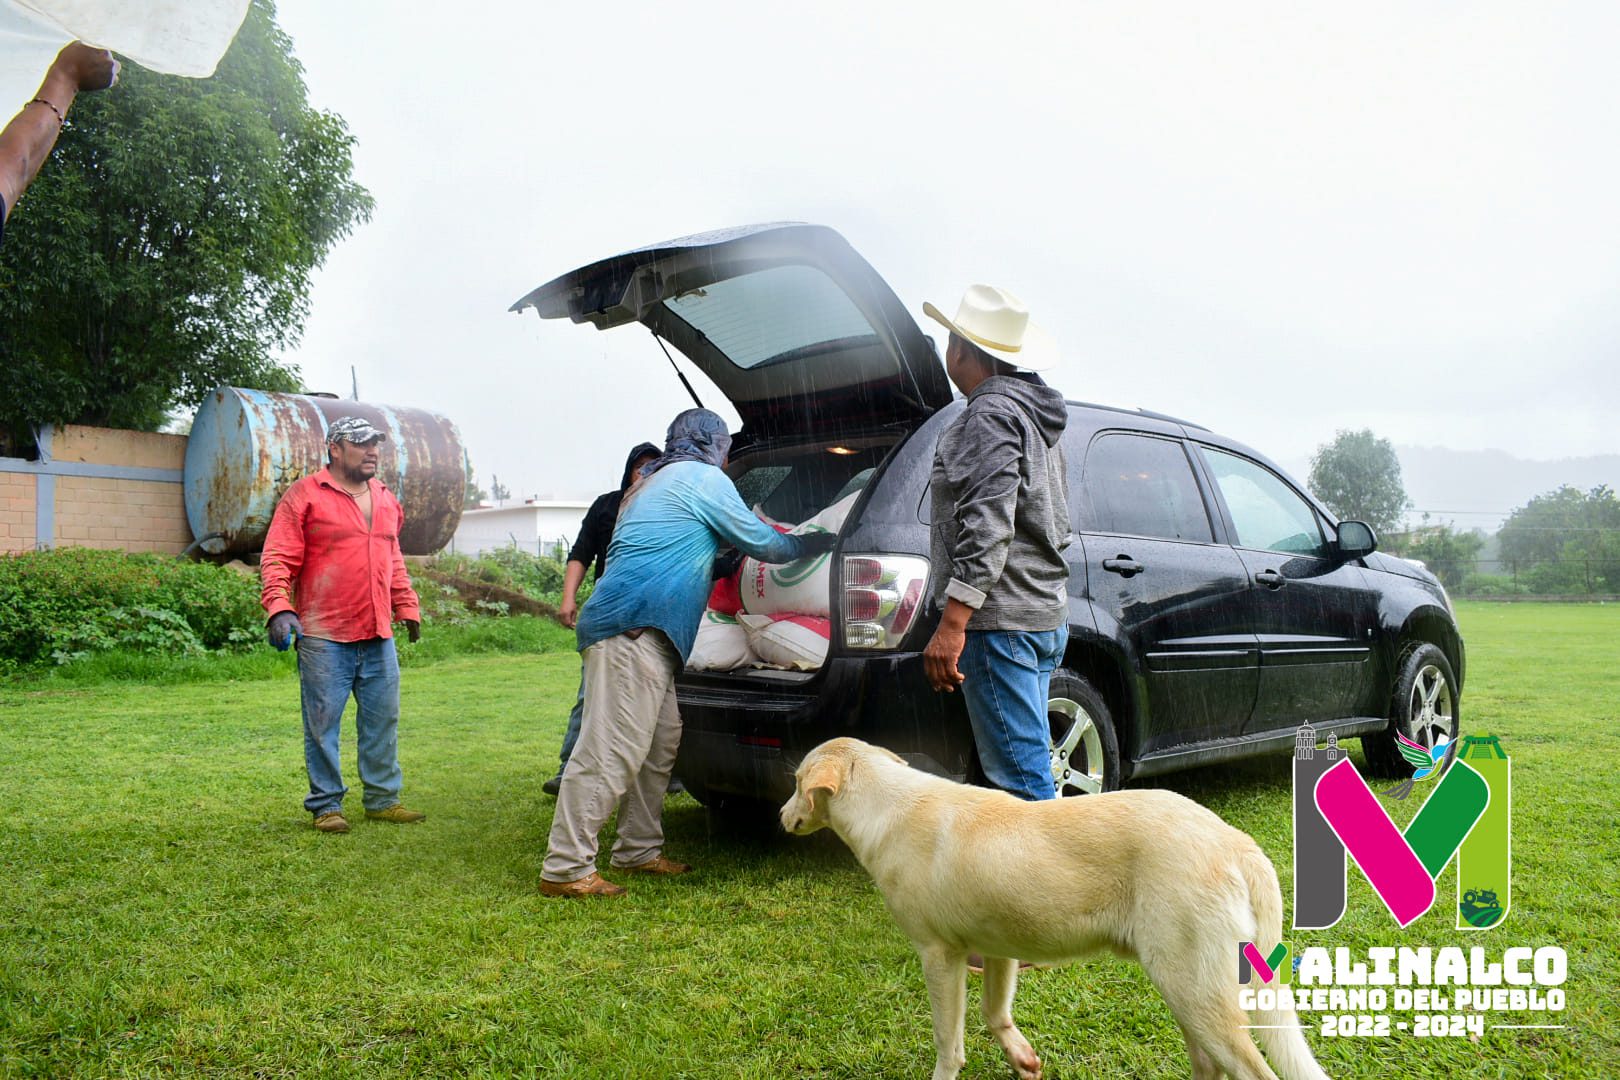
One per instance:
(805,586)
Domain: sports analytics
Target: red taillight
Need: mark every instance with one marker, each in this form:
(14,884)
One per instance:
(908,606)
(860,573)
(861,605)
(882,594)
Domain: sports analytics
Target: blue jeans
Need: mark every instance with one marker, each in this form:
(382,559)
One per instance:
(576,716)
(328,672)
(1009,679)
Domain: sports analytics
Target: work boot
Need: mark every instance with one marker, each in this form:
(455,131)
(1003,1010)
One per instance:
(658,864)
(332,821)
(552,786)
(592,884)
(396,814)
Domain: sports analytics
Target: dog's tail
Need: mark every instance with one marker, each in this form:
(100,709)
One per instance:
(1280,1032)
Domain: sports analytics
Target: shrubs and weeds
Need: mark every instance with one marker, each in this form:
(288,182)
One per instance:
(1492,585)
(62,605)
(539,577)
(113,614)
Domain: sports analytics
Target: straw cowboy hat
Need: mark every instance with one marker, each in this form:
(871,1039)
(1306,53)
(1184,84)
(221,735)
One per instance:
(998,322)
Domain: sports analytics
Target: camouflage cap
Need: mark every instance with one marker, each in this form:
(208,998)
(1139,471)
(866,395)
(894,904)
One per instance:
(353,429)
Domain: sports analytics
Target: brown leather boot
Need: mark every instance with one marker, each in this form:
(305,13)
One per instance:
(332,822)
(658,864)
(592,884)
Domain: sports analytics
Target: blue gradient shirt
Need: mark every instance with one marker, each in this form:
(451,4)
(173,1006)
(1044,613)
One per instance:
(662,554)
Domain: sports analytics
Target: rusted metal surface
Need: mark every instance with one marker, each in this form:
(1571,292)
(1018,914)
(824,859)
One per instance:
(248,446)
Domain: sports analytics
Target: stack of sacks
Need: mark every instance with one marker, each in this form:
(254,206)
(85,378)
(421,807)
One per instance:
(768,615)
(787,608)
(722,642)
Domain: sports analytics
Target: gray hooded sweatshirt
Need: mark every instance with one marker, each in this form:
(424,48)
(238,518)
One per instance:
(1001,508)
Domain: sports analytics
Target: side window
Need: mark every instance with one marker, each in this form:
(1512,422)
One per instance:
(1142,486)
(1267,513)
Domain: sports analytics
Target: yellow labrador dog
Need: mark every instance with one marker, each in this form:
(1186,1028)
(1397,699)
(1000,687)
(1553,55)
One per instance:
(1147,874)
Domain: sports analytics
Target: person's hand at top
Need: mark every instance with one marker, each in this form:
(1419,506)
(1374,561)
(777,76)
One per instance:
(85,67)
(28,137)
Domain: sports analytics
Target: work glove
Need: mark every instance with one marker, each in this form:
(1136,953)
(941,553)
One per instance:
(413,630)
(725,564)
(816,543)
(284,628)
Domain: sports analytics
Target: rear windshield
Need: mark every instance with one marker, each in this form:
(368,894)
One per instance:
(794,489)
(772,315)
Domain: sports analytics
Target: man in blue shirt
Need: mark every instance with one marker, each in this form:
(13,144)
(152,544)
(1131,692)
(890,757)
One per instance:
(636,631)
(595,533)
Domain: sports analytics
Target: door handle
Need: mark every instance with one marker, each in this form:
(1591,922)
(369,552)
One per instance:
(1123,565)
(1270,579)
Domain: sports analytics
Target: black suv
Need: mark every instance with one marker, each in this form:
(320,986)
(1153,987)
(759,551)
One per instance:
(1214,606)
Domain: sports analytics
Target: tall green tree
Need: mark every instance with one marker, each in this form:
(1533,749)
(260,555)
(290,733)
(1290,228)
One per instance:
(167,246)
(1566,540)
(1359,477)
(1449,553)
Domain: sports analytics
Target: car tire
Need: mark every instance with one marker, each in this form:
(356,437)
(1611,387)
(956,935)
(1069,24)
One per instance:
(1085,750)
(1423,706)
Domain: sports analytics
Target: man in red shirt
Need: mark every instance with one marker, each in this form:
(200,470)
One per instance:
(333,581)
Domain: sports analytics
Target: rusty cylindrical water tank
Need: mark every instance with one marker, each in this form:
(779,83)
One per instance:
(248,446)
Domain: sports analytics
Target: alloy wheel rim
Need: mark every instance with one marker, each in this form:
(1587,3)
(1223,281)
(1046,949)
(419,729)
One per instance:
(1077,757)
(1430,708)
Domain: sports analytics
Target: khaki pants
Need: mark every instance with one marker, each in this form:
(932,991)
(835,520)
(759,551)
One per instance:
(624,756)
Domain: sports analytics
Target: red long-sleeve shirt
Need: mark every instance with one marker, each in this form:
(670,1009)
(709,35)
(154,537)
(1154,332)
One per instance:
(347,582)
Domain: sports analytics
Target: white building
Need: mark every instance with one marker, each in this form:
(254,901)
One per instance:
(534,525)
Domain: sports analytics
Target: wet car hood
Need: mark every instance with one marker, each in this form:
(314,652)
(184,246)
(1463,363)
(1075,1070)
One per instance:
(1391,564)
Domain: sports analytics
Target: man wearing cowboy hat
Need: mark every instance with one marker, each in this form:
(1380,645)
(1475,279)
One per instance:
(1001,522)
(334,580)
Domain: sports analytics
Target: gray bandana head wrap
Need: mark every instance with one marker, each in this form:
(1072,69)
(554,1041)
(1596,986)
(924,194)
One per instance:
(694,435)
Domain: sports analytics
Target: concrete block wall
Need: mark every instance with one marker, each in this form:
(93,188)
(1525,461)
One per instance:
(96,487)
(17,510)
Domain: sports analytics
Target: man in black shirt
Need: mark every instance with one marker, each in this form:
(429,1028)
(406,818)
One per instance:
(595,534)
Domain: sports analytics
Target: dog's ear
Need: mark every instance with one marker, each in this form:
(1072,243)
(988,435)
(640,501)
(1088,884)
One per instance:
(824,775)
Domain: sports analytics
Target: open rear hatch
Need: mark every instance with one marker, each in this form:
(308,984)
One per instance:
(794,327)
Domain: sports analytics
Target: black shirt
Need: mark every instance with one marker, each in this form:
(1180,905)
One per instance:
(597,532)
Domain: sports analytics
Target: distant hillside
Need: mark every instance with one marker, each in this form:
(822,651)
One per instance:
(1479,488)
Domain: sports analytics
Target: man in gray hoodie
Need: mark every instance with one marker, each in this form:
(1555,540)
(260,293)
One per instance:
(1001,523)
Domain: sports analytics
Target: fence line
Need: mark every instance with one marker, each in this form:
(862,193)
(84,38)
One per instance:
(464,543)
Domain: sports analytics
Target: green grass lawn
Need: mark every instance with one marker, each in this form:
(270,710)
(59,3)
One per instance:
(168,910)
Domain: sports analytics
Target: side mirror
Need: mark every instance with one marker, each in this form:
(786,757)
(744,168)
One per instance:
(1356,539)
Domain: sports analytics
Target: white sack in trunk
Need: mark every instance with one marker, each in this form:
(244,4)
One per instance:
(788,640)
(721,644)
(805,586)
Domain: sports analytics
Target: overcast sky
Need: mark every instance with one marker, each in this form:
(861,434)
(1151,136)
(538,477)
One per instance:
(1273,219)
